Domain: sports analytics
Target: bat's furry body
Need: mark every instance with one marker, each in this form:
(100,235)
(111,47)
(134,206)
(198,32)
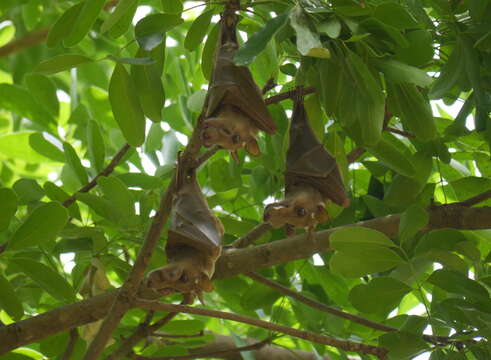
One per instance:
(193,245)
(235,109)
(312,177)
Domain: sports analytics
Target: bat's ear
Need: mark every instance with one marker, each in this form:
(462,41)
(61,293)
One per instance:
(321,213)
(252,147)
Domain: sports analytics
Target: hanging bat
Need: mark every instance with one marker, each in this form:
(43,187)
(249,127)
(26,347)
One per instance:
(193,245)
(312,177)
(235,110)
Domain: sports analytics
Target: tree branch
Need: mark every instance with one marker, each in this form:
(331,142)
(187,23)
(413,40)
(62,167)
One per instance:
(254,234)
(474,200)
(209,354)
(302,334)
(400,132)
(71,345)
(27,41)
(287,95)
(231,263)
(107,170)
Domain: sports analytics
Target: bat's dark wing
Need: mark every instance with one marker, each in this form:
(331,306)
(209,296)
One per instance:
(234,85)
(308,162)
(192,222)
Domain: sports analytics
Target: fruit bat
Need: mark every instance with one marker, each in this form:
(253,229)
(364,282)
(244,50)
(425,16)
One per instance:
(235,110)
(193,245)
(311,178)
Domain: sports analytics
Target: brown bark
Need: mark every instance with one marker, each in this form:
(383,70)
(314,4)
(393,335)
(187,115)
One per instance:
(232,263)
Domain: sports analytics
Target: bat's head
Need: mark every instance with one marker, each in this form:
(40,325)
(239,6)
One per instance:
(231,129)
(302,208)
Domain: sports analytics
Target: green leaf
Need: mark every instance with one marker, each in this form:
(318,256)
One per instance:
(412,221)
(138,61)
(17,146)
(392,157)
(63,25)
(355,236)
(308,42)
(124,22)
(140,180)
(149,31)
(196,101)
(44,147)
(149,88)
(402,344)
(183,327)
(73,161)
(258,41)
(44,91)
(18,100)
(41,226)
(61,63)
(9,300)
(172,6)
(331,27)
(398,72)
(8,207)
(440,239)
(364,260)
(123,7)
(85,19)
(450,73)
(96,150)
(56,193)
(420,50)
(379,296)
(7,33)
(47,278)
(101,207)
(126,107)
(198,30)
(395,15)
(456,282)
(118,195)
(28,190)
(468,187)
(209,50)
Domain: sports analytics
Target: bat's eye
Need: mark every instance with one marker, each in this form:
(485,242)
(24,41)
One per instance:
(236,139)
(300,211)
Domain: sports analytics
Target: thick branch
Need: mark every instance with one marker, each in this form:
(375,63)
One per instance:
(302,334)
(107,170)
(231,263)
(27,41)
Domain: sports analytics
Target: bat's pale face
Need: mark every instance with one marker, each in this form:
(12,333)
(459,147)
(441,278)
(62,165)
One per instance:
(231,129)
(303,208)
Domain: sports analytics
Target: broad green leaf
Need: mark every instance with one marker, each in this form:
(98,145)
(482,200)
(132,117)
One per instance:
(28,191)
(118,195)
(331,27)
(123,7)
(450,73)
(56,193)
(17,146)
(183,327)
(258,41)
(75,164)
(395,15)
(42,146)
(149,88)
(85,19)
(140,180)
(138,61)
(149,31)
(440,239)
(196,101)
(456,282)
(402,344)
(448,260)
(364,260)
(379,296)
(61,63)
(420,50)
(101,207)
(63,25)
(407,102)
(7,33)
(47,278)
(392,157)
(308,42)
(172,6)
(198,30)
(258,296)
(20,101)
(9,300)
(126,107)
(208,51)
(44,91)
(355,236)
(400,73)
(124,22)
(96,150)
(8,207)
(41,226)
(468,187)
(412,220)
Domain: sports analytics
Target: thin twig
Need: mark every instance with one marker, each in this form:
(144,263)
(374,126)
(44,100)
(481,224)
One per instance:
(474,200)
(254,234)
(302,334)
(319,306)
(71,345)
(27,41)
(210,354)
(179,336)
(107,170)
(270,84)
(287,95)
(355,154)
(207,154)
(400,132)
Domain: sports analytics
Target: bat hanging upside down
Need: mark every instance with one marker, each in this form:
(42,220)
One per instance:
(312,177)
(193,245)
(235,110)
